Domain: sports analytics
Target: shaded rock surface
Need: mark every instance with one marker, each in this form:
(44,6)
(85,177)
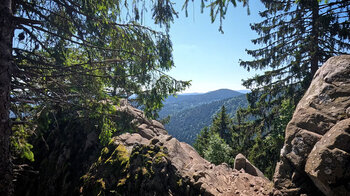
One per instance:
(62,156)
(151,162)
(317,136)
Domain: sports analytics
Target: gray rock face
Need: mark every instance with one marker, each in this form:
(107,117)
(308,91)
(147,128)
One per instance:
(328,164)
(155,163)
(326,103)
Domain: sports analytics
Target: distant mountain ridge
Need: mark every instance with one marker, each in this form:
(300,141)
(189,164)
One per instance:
(190,113)
(175,104)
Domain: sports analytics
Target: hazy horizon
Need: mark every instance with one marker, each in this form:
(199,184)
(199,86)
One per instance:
(238,90)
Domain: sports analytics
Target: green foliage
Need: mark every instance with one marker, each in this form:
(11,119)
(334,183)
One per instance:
(218,8)
(294,46)
(241,134)
(210,145)
(84,57)
(285,115)
(202,141)
(80,54)
(218,151)
(107,130)
(222,124)
(265,153)
(297,39)
(20,144)
(262,149)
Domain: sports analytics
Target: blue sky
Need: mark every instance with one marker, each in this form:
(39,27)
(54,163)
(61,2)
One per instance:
(206,56)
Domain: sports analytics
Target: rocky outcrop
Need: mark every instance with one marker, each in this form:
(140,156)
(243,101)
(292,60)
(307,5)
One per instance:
(328,164)
(241,162)
(62,156)
(151,162)
(315,157)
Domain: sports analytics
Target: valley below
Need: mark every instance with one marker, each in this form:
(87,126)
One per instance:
(191,113)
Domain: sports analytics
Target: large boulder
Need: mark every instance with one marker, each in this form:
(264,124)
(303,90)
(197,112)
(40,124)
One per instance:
(151,162)
(328,164)
(325,104)
(241,162)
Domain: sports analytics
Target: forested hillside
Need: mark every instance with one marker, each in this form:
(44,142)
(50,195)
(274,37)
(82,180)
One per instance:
(186,122)
(174,104)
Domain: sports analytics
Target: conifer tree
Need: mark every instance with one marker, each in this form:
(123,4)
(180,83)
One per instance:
(222,125)
(213,143)
(202,141)
(297,39)
(79,54)
(218,151)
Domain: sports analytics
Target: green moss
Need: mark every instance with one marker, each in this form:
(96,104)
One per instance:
(150,152)
(159,156)
(120,156)
(123,169)
(121,182)
(85,178)
(179,182)
(144,171)
(99,160)
(102,183)
(114,165)
(111,141)
(123,155)
(151,147)
(147,156)
(105,151)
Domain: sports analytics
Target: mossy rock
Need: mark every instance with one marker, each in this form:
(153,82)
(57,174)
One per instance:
(118,171)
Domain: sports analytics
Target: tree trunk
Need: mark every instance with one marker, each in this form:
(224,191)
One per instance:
(6,32)
(314,36)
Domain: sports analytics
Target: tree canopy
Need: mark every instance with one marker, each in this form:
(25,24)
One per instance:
(296,38)
(83,55)
(221,125)
(218,8)
(213,143)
